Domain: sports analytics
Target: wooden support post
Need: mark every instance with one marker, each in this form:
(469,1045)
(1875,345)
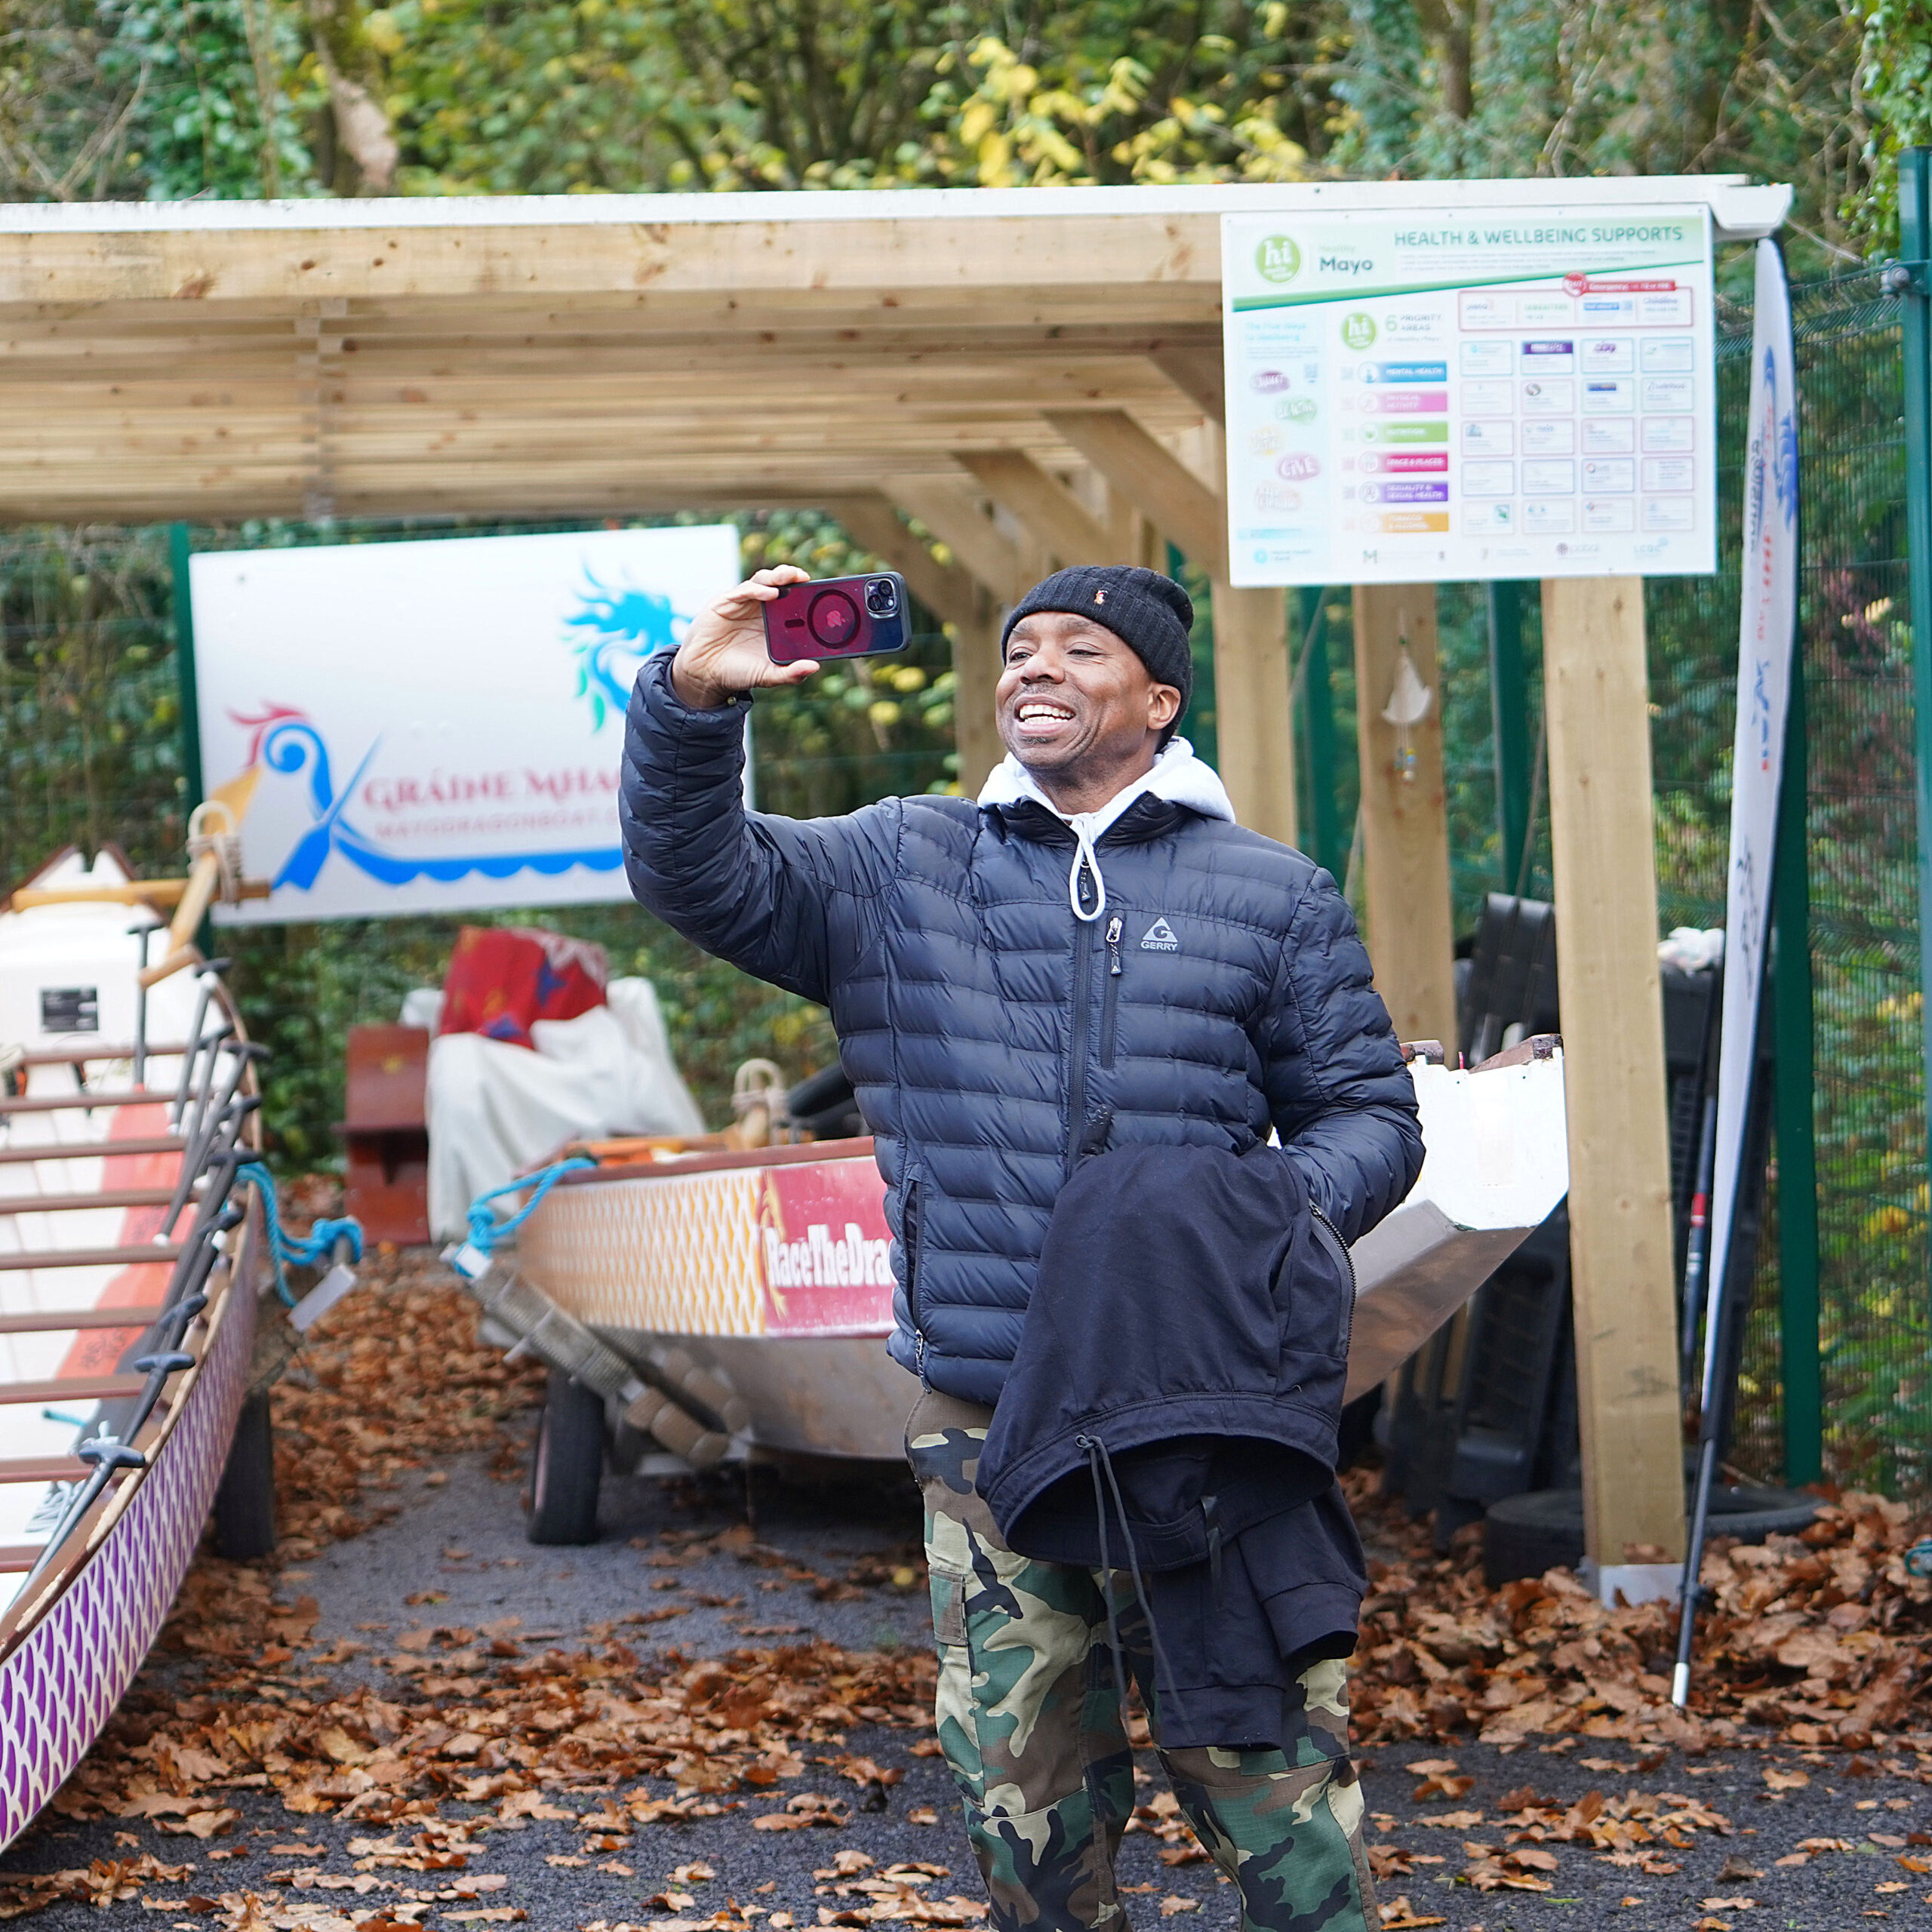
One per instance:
(1254,744)
(1597,701)
(1404,819)
(975,674)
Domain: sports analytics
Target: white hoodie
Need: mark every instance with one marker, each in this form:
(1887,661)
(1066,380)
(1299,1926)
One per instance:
(1178,775)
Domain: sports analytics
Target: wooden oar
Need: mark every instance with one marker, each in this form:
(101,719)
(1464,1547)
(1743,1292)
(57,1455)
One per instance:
(204,881)
(136,892)
(231,802)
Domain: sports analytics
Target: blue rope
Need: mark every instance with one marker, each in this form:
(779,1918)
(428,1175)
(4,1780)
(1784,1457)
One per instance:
(290,1251)
(485,1230)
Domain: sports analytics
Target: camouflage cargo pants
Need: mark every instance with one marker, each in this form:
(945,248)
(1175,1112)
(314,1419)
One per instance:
(1029,1719)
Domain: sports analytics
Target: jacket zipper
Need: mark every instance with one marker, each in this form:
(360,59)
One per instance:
(1076,1093)
(1111,1002)
(1349,1315)
(909,1220)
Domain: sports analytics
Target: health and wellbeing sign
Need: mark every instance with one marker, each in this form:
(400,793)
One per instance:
(1448,394)
(436,726)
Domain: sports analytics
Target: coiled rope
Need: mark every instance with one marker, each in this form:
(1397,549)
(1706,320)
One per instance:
(486,1231)
(298,1251)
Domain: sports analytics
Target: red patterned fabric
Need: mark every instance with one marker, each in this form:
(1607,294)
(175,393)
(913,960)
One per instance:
(502,979)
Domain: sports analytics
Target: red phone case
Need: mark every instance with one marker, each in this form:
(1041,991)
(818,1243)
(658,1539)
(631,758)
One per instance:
(839,616)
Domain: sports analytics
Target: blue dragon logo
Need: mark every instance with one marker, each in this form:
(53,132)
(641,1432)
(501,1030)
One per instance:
(620,629)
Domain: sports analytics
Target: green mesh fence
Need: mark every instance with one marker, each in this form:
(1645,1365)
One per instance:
(1870,1101)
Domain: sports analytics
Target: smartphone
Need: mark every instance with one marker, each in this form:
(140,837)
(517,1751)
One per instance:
(839,616)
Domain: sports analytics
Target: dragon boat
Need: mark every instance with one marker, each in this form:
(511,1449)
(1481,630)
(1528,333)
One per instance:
(736,1303)
(129,1266)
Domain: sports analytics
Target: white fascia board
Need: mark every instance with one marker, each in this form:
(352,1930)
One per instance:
(1741,211)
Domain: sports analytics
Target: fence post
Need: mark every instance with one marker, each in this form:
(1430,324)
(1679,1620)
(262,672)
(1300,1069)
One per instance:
(1798,1167)
(1508,700)
(178,548)
(1322,824)
(1916,328)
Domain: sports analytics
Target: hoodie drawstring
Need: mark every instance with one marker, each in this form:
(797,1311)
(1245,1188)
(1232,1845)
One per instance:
(1097,1460)
(1085,856)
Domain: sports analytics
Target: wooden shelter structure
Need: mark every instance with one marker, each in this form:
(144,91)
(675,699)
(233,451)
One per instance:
(1033,375)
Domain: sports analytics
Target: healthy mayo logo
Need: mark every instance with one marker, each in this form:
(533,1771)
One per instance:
(1358,331)
(1278,259)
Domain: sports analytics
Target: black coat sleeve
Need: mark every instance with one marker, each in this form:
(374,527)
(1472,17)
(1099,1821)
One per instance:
(1340,1096)
(789,901)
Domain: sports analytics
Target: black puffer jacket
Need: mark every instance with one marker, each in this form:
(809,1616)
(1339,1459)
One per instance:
(991,1037)
(1172,1413)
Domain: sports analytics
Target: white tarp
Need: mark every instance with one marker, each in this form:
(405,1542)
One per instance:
(1766,635)
(496,1109)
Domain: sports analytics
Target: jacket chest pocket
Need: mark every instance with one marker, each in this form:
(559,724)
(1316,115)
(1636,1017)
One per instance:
(1110,992)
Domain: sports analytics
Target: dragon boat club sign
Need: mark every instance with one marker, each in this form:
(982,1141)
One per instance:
(434,726)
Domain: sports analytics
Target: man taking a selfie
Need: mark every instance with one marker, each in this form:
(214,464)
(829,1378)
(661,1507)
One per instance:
(1093,956)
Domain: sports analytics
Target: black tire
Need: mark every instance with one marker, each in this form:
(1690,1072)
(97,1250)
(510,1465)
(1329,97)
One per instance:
(244,1502)
(1524,1535)
(568,1463)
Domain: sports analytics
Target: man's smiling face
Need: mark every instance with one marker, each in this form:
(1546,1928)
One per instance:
(1074,703)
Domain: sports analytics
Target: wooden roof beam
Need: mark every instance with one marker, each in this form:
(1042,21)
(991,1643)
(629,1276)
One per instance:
(946,589)
(953,512)
(1198,372)
(1152,478)
(1047,508)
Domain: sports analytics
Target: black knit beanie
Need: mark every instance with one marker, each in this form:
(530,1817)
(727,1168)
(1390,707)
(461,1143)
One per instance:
(1150,614)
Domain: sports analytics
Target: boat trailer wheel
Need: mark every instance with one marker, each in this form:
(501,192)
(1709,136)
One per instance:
(568,1463)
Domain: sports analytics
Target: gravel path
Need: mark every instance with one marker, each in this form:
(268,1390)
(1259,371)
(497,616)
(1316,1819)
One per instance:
(455,1554)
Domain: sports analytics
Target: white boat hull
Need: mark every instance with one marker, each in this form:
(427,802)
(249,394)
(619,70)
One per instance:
(769,1269)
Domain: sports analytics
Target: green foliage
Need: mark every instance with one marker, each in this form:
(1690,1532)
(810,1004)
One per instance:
(859,730)
(1895,79)
(1443,87)
(89,714)
(215,105)
(169,97)
(64,125)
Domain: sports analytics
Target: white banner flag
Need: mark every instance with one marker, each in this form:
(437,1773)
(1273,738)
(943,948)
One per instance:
(1766,638)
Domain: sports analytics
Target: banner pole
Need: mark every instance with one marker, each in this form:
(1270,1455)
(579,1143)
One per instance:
(1323,829)
(1914,190)
(179,548)
(1798,1168)
(1767,634)
(1509,709)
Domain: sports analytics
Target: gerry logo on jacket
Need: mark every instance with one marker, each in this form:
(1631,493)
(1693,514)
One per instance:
(1159,937)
